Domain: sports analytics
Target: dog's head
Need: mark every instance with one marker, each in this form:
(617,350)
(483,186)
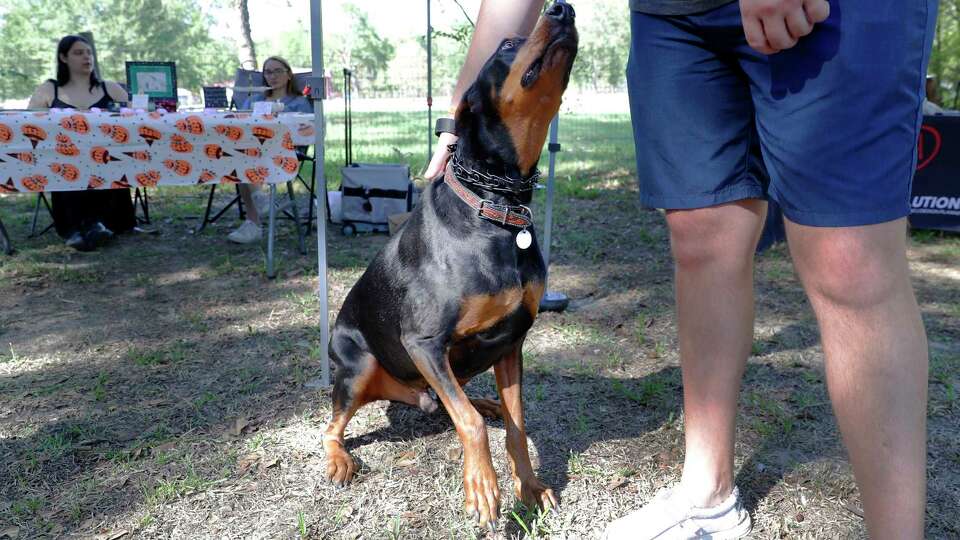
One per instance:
(504,116)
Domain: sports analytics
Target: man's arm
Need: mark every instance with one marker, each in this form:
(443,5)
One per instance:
(498,19)
(774,25)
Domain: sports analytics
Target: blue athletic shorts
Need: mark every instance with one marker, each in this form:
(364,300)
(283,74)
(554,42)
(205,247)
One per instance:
(827,129)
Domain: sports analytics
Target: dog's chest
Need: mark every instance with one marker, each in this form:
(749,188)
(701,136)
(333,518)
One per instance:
(479,313)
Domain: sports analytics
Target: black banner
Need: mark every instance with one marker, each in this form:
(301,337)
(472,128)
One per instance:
(935,202)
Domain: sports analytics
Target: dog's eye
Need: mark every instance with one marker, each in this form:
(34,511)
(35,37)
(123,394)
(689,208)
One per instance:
(507,45)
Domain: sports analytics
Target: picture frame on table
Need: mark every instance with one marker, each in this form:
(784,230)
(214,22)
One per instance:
(158,80)
(215,97)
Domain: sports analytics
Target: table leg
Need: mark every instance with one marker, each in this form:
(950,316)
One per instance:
(296,219)
(271,229)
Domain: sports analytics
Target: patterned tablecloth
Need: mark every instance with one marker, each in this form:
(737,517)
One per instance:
(66,150)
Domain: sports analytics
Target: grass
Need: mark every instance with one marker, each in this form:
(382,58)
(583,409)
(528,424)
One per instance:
(100,389)
(301,525)
(172,354)
(55,446)
(124,373)
(169,490)
(533,522)
(649,393)
(10,355)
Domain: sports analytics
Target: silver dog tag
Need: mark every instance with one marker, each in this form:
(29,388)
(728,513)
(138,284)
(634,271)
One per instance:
(524,239)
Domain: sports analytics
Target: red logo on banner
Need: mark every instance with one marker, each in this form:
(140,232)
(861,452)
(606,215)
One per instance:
(928,146)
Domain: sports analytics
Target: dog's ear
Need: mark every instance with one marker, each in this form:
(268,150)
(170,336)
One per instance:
(467,110)
(472,100)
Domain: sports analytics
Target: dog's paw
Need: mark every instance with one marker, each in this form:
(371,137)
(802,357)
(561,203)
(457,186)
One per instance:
(535,493)
(340,467)
(482,495)
(488,408)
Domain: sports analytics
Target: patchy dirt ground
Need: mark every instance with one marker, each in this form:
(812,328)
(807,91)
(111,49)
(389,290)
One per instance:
(163,388)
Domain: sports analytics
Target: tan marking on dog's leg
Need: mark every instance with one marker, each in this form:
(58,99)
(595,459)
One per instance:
(526,486)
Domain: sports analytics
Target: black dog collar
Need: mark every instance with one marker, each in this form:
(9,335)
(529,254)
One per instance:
(491,181)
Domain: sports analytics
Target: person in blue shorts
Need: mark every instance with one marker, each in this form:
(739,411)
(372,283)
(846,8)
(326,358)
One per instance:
(817,106)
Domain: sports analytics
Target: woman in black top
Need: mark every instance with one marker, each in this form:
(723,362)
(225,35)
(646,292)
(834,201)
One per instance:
(84,218)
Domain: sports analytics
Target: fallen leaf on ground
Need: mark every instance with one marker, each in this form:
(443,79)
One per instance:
(406,459)
(853,509)
(246,462)
(239,426)
(165,447)
(10,532)
(271,462)
(616,482)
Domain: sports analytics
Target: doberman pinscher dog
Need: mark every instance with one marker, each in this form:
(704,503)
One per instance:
(456,289)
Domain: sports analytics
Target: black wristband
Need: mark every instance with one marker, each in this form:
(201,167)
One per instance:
(445,125)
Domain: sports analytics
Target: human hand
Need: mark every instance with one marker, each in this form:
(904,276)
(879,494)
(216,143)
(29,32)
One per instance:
(440,156)
(774,25)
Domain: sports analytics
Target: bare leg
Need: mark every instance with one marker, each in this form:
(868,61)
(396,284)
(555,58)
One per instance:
(713,249)
(246,195)
(857,279)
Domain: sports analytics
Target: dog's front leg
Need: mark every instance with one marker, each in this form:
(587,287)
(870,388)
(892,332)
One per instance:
(482,495)
(526,486)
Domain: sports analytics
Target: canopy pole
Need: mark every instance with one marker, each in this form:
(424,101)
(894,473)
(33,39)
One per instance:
(318,92)
(429,84)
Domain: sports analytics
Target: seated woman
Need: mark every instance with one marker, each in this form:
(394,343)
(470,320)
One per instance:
(85,219)
(279,77)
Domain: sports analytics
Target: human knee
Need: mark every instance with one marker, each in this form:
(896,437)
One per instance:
(852,275)
(701,241)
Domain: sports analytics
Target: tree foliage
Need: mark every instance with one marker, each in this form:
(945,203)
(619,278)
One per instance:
(945,60)
(144,30)
(178,30)
(360,48)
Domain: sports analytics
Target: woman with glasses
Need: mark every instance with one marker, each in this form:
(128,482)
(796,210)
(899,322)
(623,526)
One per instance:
(85,219)
(279,77)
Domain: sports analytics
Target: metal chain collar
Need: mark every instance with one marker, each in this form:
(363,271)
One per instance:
(489,181)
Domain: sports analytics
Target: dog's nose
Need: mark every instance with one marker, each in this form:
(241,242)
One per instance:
(562,12)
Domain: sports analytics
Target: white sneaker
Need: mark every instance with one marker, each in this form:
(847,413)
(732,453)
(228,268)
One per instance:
(671,516)
(247,233)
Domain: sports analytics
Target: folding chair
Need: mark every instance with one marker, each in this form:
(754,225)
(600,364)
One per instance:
(5,245)
(41,197)
(305,157)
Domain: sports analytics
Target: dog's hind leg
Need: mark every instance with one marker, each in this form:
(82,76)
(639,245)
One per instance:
(355,369)
(359,379)
(489,408)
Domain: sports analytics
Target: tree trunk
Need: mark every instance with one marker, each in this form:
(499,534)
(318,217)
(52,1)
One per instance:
(248,54)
